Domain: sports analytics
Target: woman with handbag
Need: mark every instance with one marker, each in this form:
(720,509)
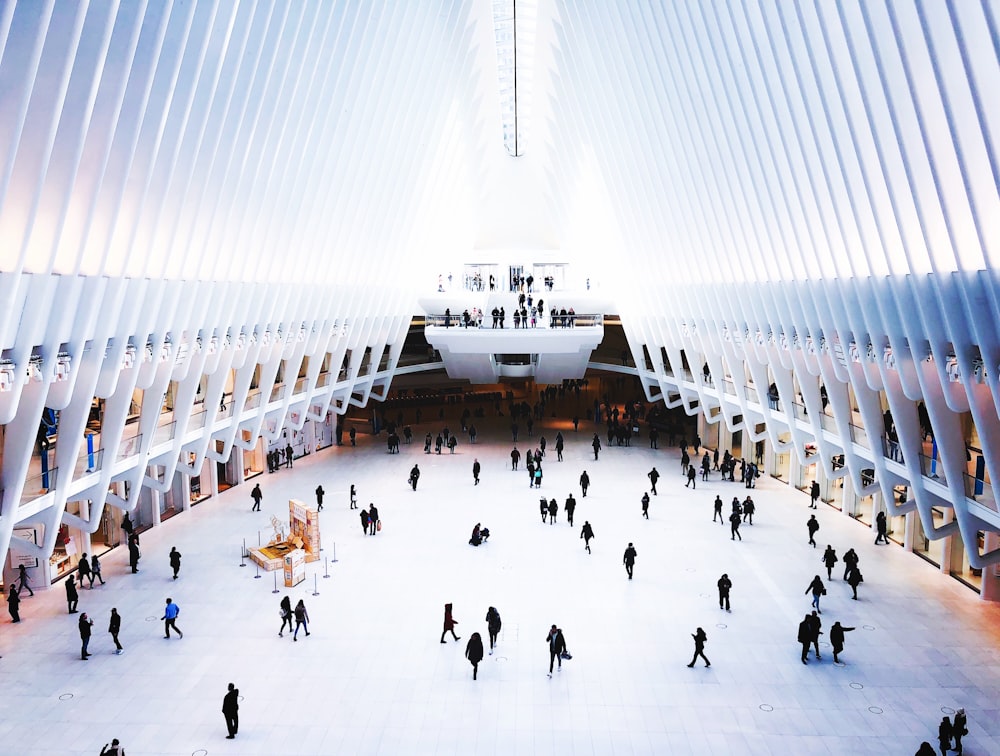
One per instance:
(818,589)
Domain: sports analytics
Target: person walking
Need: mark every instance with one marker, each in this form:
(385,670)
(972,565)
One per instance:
(553,511)
(837,639)
(854,579)
(373,522)
(301,619)
(231,710)
(691,478)
(653,476)
(72,597)
(734,526)
(959,729)
(717,505)
(85,624)
(365,520)
(289,452)
(945,732)
(95,569)
(724,585)
(645,504)
(285,612)
(814,494)
(813,525)
(586,533)
(557,647)
(84,569)
(850,562)
(474,652)
(115,627)
(113,749)
(319,497)
(818,589)
(815,625)
(170,612)
(543,508)
(13,604)
(354,497)
(476,467)
(829,559)
(175,560)
(629,560)
(584,483)
(805,637)
(22,580)
(493,624)
(449,624)
(570,508)
(748,510)
(596,443)
(256,495)
(133,552)
(700,639)
(515,457)
(414,476)
(880,525)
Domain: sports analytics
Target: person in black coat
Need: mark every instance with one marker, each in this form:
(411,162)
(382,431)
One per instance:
(854,579)
(13,602)
(553,511)
(829,559)
(570,508)
(837,639)
(814,494)
(557,646)
(476,467)
(815,625)
(805,637)
(653,476)
(133,552)
(586,533)
(414,476)
(285,611)
(494,623)
(629,560)
(175,560)
(474,652)
(724,585)
(230,710)
(365,519)
(813,525)
(818,589)
(850,562)
(373,518)
(584,483)
(880,525)
(700,639)
(944,735)
(959,729)
(734,526)
(72,597)
(645,505)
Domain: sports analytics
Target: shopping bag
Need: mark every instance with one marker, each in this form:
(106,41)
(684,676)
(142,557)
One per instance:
(378,525)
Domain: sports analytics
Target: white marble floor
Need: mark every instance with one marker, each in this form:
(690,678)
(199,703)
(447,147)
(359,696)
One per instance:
(372,677)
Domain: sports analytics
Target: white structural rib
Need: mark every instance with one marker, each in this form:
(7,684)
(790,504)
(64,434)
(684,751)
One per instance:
(200,198)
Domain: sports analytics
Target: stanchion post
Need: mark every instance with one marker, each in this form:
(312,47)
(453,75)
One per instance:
(334,551)
(257,567)
(315,589)
(275,583)
(243,553)
(326,568)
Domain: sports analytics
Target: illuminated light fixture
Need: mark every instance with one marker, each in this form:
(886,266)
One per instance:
(35,368)
(7,375)
(951,367)
(63,365)
(128,359)
(889,358)
(853,352)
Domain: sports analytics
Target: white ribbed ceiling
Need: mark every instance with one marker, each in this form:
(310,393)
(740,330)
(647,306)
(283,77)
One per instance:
(361,141)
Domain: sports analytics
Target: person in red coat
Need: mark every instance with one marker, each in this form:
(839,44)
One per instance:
(449,623)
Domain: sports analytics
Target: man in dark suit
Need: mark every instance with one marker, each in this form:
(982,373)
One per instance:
(805,637)
(230,710)
(629,560)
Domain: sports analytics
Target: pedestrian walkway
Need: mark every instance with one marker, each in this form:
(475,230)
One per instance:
(374,679)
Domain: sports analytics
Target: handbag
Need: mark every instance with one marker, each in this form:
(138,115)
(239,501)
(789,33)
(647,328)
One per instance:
(378,525)
(566,655)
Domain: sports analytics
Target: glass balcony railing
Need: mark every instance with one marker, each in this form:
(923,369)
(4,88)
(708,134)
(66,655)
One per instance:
(129,447)
(253,400)
(88,462)
(37,486)
(277,392)
(980,491)
(300,386)
(164,433)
